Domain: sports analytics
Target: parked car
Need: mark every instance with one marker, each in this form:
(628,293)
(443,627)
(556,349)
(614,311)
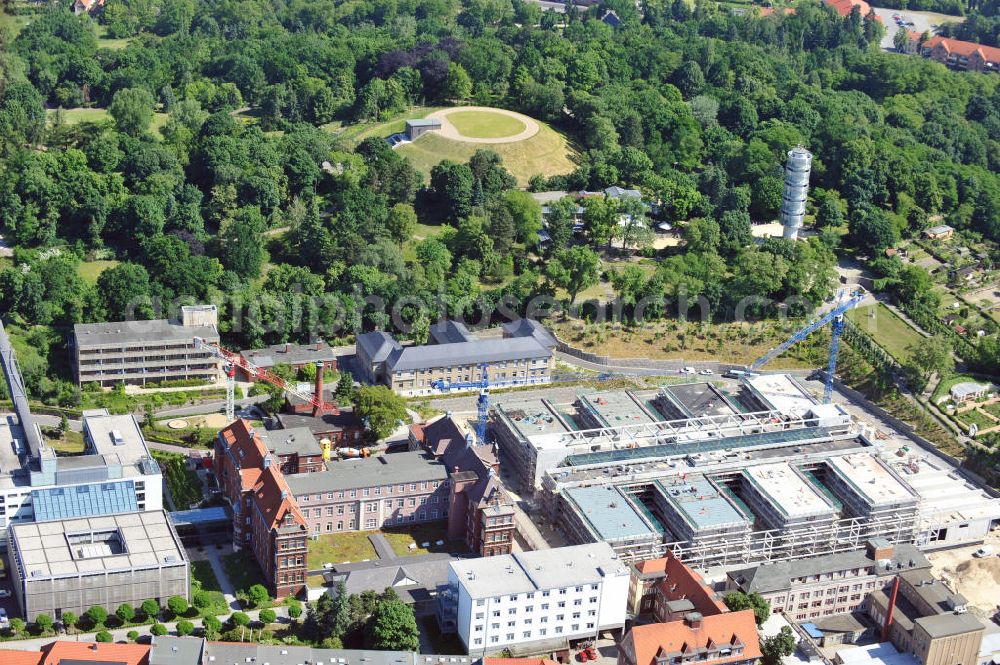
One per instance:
(4,593)
(4,620)
(983,551)
(706,372)
(687,370)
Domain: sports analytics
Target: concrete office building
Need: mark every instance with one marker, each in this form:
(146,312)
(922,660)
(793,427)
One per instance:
(139,352)
(829,584)
(696,510)
(71,565)
(116,474)
(535,602)
(455,356)
(921,616)
(868,487)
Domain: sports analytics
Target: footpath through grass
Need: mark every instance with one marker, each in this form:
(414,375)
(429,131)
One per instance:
(183,483)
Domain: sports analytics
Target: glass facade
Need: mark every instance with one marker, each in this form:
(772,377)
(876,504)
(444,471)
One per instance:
(59,503)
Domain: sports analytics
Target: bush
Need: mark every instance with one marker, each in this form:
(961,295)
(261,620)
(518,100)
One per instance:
(17,625)
(104,636)
(97,614)
(125,612)
(178,605)
(257,595)
(268,616)
(202,599)
(294,611)
(158,629)
(150,608)
(211,624)
(184,628)
(44,622)
(132,635)
(239,619)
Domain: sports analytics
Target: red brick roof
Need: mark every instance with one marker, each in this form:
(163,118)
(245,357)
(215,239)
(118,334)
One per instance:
(684,583)
(95,652)
(988,53)
(14,657)
(274,500)
(731,628)
(245,445)
(519,661)
(768,11)
(844,7)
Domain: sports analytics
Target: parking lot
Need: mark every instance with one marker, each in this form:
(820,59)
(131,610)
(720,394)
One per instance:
(922,21)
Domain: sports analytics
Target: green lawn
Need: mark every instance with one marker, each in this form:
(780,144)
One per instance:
(889,331)
(15,21)
(485,124)
(113,43)
(339,547)
(184,485)
(942,391)
(71,443)
(547,153)
(78,115)
(89,271)
(975,417)
(242,570)
(401,538)
(203,579)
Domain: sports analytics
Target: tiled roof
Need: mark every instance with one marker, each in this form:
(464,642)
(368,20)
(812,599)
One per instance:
(732,629)
(844,7)
(519,661)
(95,652)
(682,582)
(274,500)
(14,657)
(989,53)
(246,447)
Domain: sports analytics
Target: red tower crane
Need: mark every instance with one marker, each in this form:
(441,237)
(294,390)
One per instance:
(235,360)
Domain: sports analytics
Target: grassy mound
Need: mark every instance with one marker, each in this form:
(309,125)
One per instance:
(485,125)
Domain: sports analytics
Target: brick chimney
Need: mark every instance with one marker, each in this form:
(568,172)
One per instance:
(890,609)
(319,387)
(693,620)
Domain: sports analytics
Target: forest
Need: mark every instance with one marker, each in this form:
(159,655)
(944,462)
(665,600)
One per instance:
(244,195)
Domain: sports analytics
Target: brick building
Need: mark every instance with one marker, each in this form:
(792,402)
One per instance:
(829,584)
(296,356)
(372,493)
(956,53)
(266,517)
(480,512)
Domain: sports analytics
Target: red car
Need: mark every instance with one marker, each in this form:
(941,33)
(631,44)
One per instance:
(582,657)
(591,653)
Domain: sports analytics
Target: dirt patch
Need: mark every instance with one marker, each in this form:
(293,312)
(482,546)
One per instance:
(976,579)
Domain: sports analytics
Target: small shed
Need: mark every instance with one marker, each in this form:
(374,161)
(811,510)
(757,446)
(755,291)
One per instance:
(417,128)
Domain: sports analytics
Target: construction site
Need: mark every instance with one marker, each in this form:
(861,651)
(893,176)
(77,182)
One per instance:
(732,473)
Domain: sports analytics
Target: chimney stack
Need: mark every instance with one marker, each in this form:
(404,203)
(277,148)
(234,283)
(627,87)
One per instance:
(889,610)
(693,620)
(319,387)
(288,347)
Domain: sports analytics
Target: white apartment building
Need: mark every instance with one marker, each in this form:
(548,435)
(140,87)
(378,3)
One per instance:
(533,602)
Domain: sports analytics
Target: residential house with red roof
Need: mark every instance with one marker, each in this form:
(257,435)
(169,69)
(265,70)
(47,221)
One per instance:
(962,55)
(728,638)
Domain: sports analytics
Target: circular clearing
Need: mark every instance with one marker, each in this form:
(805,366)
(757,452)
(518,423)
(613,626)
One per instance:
(177,424)
(485,124)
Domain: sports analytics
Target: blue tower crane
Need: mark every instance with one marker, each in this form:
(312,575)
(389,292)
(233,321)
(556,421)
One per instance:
(482,404)
(835,317)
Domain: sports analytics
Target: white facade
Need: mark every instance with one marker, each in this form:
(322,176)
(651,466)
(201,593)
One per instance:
(534,601)
(793,204)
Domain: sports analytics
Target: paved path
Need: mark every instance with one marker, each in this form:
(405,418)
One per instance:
(449,131)
(382,547)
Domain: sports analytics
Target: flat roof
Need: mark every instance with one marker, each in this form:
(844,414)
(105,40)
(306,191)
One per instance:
(787,490)
(531,416)
(699,502)
(947,496)
(609,512)
(388,469)
(614,408)
(293,440)
(870,478)
(10,430)
(139,332)
(44,550)
(783,393)
(116,436)
(291,354)
(700,399)
(538,570)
